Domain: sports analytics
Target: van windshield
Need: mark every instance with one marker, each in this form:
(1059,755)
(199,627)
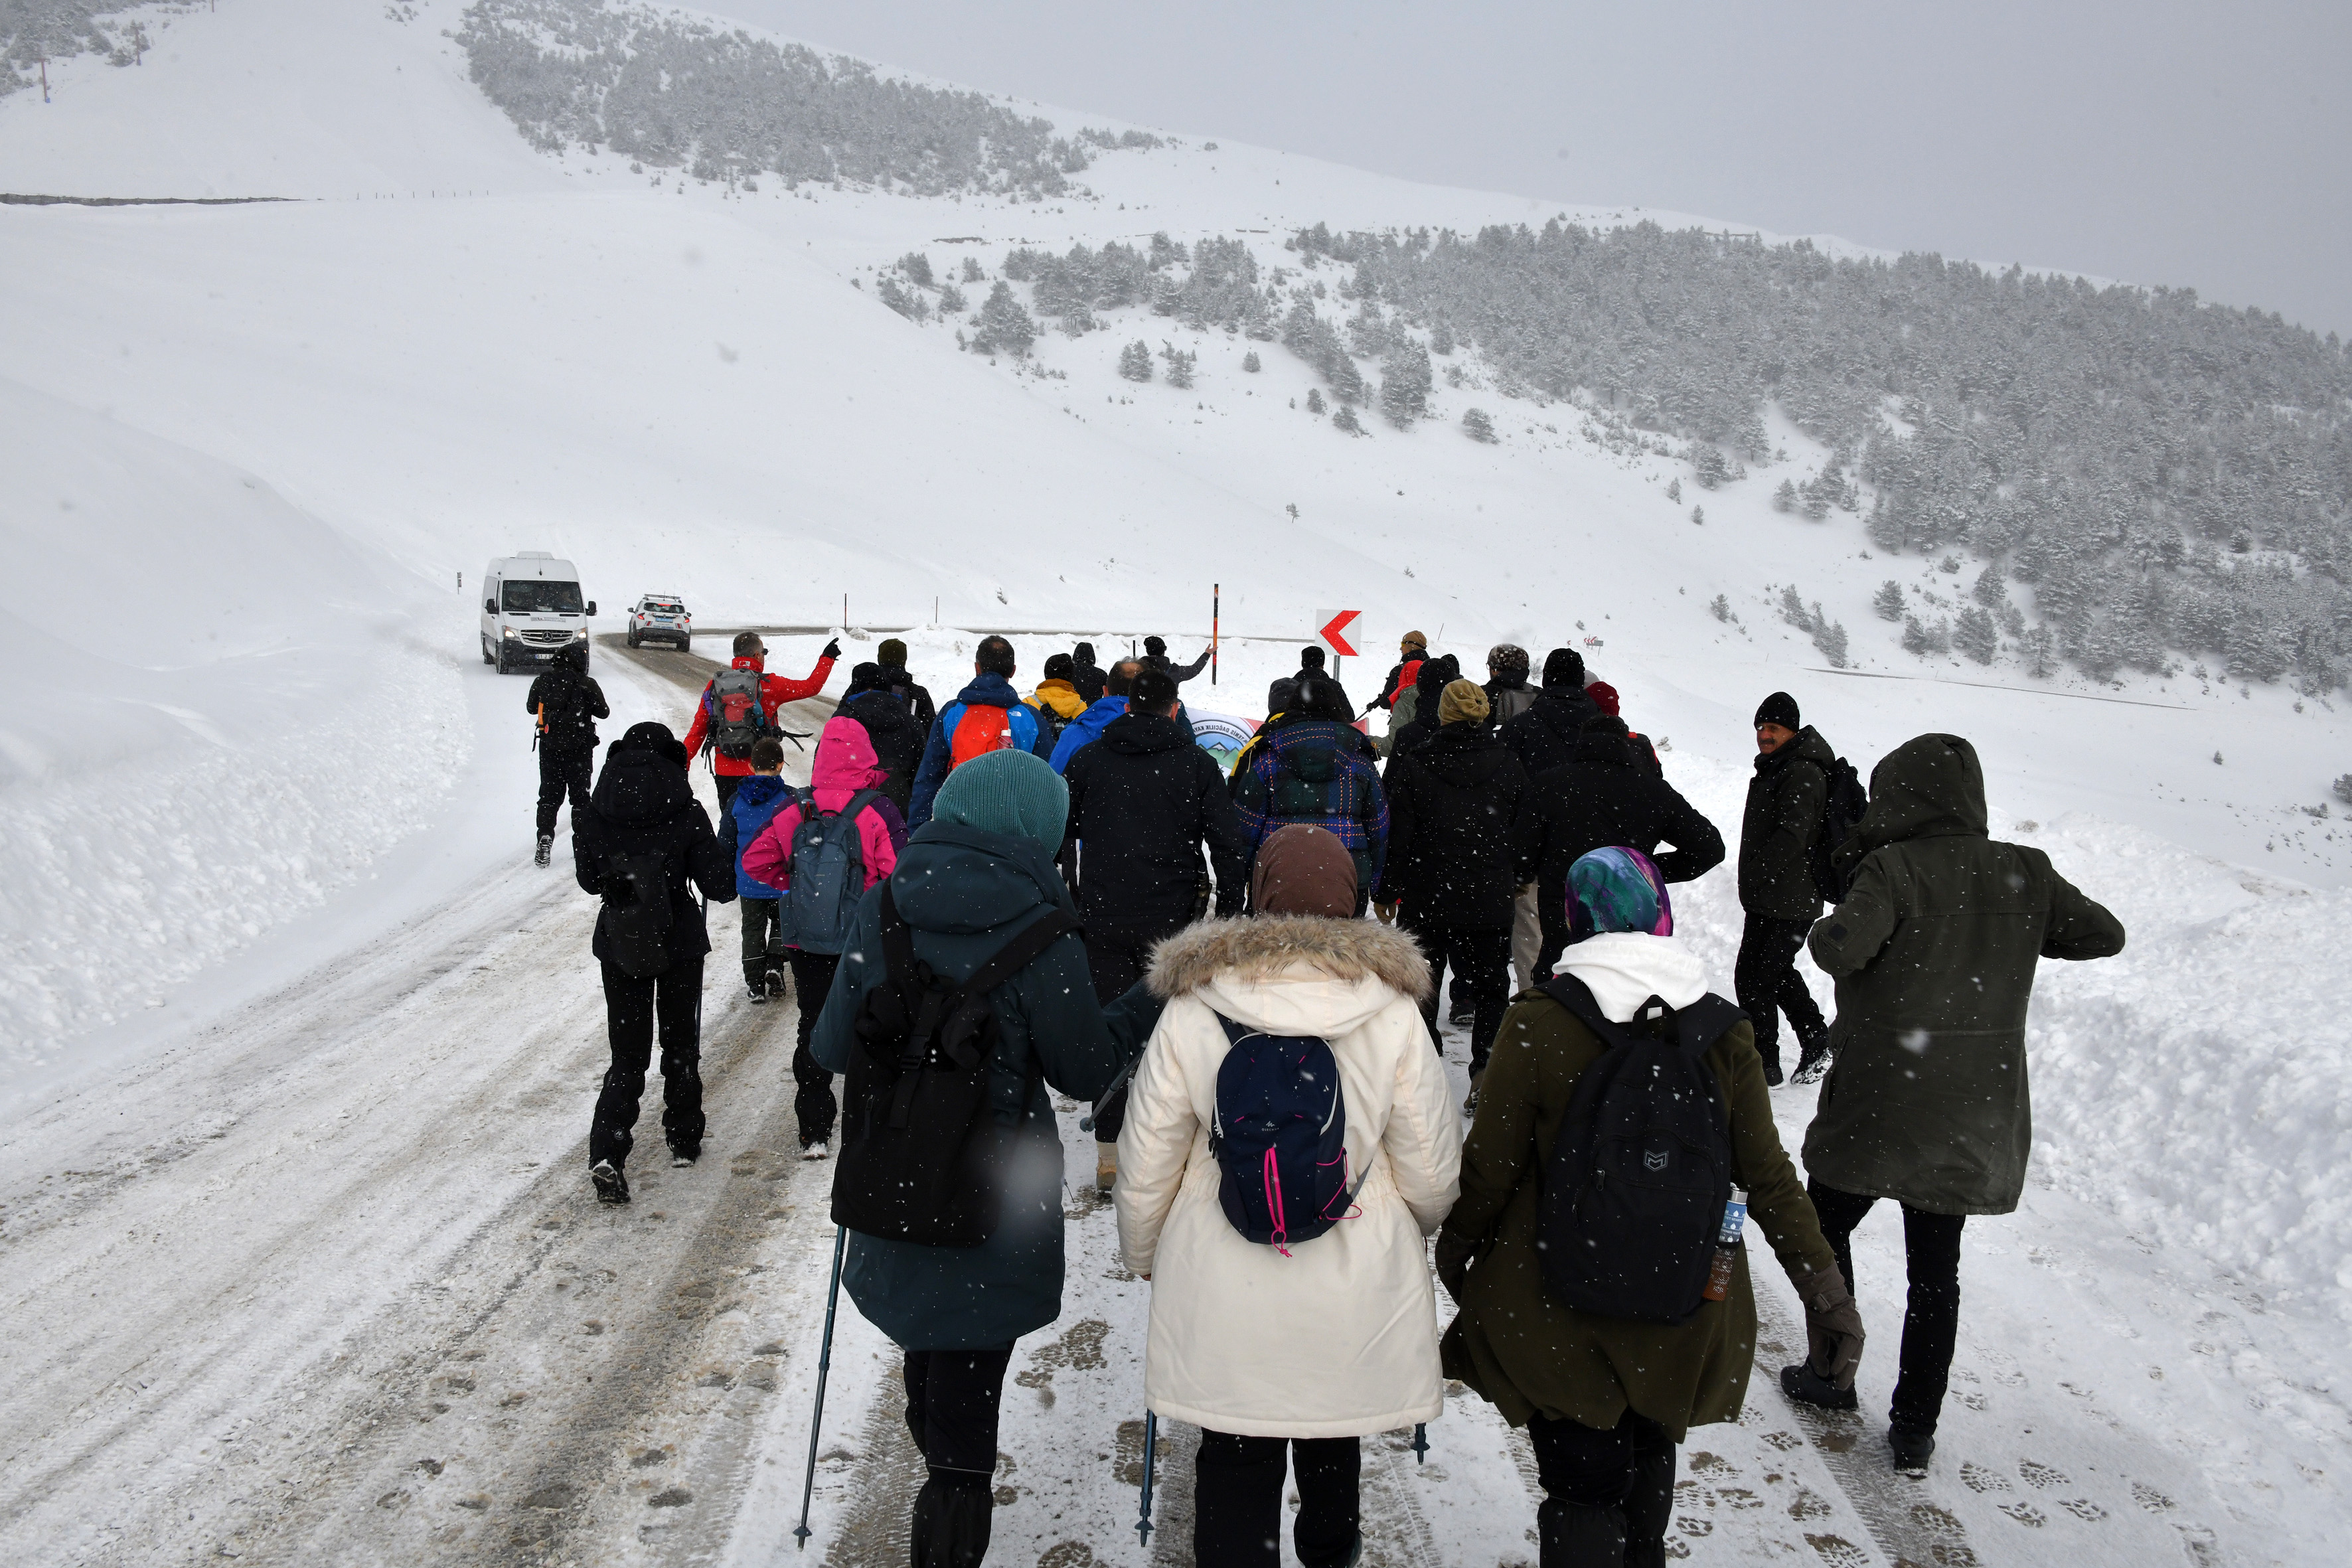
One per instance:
(535,596)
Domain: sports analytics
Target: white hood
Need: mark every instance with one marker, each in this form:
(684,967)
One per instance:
(1623,969)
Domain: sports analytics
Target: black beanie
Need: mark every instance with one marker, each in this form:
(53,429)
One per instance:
(1155,645)
(1779,709)
(1563,667)
(1311,656)
(651,736)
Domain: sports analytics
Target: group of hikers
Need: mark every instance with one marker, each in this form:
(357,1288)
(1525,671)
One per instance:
(1004,896)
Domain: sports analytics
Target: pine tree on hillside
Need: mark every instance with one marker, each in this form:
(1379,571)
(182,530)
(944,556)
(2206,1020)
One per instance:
(1478,425)
(1785,498)
(1004,326)
(916,266)
(971,272)
(1673,490)
(1250,362)
(1135,362)
(2040,651)
(1441,338)
(1405,390)
(1888,600)
(1975,635)
(1315,404)
(1698,515)
(1180,364)
(1346,420)
(950,299)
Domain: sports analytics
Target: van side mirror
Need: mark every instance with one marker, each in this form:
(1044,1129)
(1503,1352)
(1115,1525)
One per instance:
(489,606)
(592,607)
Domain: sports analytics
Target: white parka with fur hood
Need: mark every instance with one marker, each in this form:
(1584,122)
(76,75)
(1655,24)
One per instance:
(1340,1338)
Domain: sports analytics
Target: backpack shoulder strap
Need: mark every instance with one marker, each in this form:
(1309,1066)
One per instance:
(859,801)
(897,941)
(1234,1033)
(1705,1021)
(1026,945)
(1577,998)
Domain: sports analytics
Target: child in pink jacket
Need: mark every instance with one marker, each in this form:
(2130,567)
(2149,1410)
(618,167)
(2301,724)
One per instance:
(844,764)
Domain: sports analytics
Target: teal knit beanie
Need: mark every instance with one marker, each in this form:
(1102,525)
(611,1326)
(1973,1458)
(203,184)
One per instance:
(1007,791)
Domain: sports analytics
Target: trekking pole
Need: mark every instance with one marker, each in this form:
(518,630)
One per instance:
(1086,1122)
(1151,1442)
(823,1365)
(1420,1442)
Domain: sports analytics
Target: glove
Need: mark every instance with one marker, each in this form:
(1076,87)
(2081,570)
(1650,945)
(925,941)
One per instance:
(1833,1327)
(832,647)
(1455,1253)
(1387,913)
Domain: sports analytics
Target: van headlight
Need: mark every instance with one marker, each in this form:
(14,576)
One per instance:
(508,633)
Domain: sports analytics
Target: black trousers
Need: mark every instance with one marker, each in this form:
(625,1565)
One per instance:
(1237,1498)
(631,1006)
(1116,957)
(1765,978)
(562,769)
(811,979)
(952,1398)
(726,784)
(1931,1316)
(1608,1496)
(760,931)
(1479,958)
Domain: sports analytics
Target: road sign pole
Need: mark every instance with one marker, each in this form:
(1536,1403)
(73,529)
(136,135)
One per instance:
(1216,604)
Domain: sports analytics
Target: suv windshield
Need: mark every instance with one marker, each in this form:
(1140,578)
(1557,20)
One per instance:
(663,608)
(535,596)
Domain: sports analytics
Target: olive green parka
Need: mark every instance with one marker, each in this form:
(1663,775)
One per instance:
(1516,1345)
(1933,952)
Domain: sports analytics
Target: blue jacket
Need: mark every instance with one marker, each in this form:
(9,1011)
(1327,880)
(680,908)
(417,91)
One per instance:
(1086,729)
(967,893)
(756,801)
(988,690)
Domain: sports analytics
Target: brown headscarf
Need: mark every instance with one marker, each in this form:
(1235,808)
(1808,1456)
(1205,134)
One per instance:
(1303,870)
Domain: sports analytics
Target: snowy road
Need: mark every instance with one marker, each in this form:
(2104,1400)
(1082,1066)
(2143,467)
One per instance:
(324,1283)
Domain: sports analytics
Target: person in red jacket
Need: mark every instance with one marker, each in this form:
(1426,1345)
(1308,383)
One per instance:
(728,737)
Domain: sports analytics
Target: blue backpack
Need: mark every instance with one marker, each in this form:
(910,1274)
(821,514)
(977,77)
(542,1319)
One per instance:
(828,876)
(1280,1137)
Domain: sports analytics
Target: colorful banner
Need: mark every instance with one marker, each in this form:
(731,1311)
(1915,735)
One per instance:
(1222,735)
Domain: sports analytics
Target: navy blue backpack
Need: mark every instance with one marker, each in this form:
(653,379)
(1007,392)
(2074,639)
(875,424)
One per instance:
(1280,1137)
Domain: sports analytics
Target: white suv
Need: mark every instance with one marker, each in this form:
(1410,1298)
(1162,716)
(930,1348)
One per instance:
(661,617)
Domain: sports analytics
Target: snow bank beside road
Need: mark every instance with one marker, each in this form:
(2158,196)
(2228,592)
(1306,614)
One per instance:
(213,717)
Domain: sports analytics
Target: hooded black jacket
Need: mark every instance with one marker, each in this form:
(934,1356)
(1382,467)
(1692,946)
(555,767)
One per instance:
(1604,796)
(1436,674)
(1544,737)
(642,806)
(574,703)
(1143,799)
(1091,679)
(896,733)
(894,679)
(1777,831)
(1458,814)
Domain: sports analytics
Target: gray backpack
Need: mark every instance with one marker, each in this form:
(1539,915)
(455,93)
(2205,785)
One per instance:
(828,876)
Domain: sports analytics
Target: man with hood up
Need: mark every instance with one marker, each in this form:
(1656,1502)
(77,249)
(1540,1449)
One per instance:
(566,702)
(1545,735)
(643,845)
(1933,950)
(1777,891)
(898,735)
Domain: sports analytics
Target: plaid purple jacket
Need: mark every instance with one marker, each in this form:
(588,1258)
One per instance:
(1314,770)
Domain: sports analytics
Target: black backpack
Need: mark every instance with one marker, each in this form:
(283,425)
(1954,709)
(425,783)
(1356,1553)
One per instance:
(1633,1197)
(637,914)
(922,1154)
(1844,802)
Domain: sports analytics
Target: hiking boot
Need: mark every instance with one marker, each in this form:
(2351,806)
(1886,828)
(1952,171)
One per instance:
(776,984)
(1911,1447)
(759,994)
(1772,1070)
(1802,1384)
(1470,1100)
(682,1155)
(816,1149)
(612,1187)
(1813,1061)
(546,843)
(1462,1015)
(1105,1166)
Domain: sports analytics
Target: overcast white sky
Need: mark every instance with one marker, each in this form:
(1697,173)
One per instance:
(2200,145)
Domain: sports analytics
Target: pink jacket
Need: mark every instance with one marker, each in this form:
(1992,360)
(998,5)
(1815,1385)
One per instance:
(845,765)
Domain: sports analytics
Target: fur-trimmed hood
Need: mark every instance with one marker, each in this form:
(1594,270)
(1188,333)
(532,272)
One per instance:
(1272,947)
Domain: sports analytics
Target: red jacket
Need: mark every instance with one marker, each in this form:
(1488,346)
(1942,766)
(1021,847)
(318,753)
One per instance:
(774,692)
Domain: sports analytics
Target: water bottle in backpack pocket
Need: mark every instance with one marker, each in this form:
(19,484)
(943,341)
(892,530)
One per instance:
(1634,1194)
(828,876)
(637,915)
(1280,1137)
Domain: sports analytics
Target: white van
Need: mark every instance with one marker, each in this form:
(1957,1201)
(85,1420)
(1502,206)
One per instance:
(531,609)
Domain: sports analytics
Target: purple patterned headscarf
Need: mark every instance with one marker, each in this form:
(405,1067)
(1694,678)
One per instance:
(1617,889)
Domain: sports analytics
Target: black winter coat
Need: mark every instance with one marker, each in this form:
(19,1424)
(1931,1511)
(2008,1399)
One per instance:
(1459,810)
(1143,799)
(1544,737)
(1777,831)
(641,806)
(573,703)
(897,735)
(916,700)
(1605,796)
(1436,674)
